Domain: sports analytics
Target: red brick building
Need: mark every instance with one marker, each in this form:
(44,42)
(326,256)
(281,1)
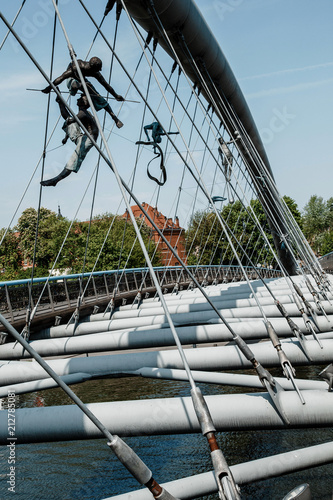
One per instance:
(171,230)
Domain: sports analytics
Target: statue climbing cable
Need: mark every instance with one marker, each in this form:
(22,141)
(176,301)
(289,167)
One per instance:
(156,133)
(76,135)
(92,68)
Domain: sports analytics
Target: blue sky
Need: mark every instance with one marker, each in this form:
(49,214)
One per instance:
(281,52)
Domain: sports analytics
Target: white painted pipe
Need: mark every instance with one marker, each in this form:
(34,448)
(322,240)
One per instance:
(195,307)
(237,288)
(205,358)
(169,416)
(245,473)
(160,320)
(247,327)
(136,339)
(40,385)
(232,379)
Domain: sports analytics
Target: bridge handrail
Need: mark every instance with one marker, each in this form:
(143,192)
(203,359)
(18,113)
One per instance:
(127,271)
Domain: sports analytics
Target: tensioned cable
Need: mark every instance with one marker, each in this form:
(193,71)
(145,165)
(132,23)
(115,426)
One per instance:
(292,325)
(171,45)
(48,141)
(114,442)
(76,313)
(198,401)
(26,330)
(29,185)
(117,284)
(12,24)
(223,227)
(265,375)
(138,148)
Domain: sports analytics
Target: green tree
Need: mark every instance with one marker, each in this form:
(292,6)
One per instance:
(314,218)
(329,214)
(51,233)
(10,255)
(326,242)
(26,228)
(206,242)
(292,205)
(318,223)
(113,239)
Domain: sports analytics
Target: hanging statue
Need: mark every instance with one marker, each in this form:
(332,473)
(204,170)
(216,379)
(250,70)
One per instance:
(88,68)
(76,135)
(156,133)
(227,159)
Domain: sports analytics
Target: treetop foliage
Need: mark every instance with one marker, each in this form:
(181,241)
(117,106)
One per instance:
(108,242)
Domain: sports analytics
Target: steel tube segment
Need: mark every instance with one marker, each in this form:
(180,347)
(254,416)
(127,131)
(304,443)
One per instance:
(249,327)
(232,379)
(169,416)
(206,358)
(198,307)
(39,385)
(245,473)
(123,340)
(237,289)
(224,299)
(199,317)
(204,63)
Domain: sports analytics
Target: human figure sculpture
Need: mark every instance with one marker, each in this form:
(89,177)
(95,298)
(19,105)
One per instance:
(76,135)
(156,133)
(91,68)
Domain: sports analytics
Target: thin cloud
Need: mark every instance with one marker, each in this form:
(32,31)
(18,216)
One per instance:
(287,71)
(287,90)
(19,81)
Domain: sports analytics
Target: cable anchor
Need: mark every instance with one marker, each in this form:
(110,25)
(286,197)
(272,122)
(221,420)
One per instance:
(288,370)
(294,328)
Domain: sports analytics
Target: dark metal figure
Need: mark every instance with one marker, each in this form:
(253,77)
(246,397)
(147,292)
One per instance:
(156,132)
(227,160)
(74,132)
(88,68)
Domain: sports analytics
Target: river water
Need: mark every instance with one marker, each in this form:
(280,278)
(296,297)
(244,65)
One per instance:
(88,470)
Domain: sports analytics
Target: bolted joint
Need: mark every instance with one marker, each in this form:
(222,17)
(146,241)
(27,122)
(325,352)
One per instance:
(202,411)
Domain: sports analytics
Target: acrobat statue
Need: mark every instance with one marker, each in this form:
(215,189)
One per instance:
(88,68)
(76,135)
(227,160)
(156,133)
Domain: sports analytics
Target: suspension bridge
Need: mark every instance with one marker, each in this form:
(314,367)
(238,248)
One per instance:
(239,289)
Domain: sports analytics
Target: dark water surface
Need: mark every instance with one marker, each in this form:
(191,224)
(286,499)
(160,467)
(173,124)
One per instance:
(88,470)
